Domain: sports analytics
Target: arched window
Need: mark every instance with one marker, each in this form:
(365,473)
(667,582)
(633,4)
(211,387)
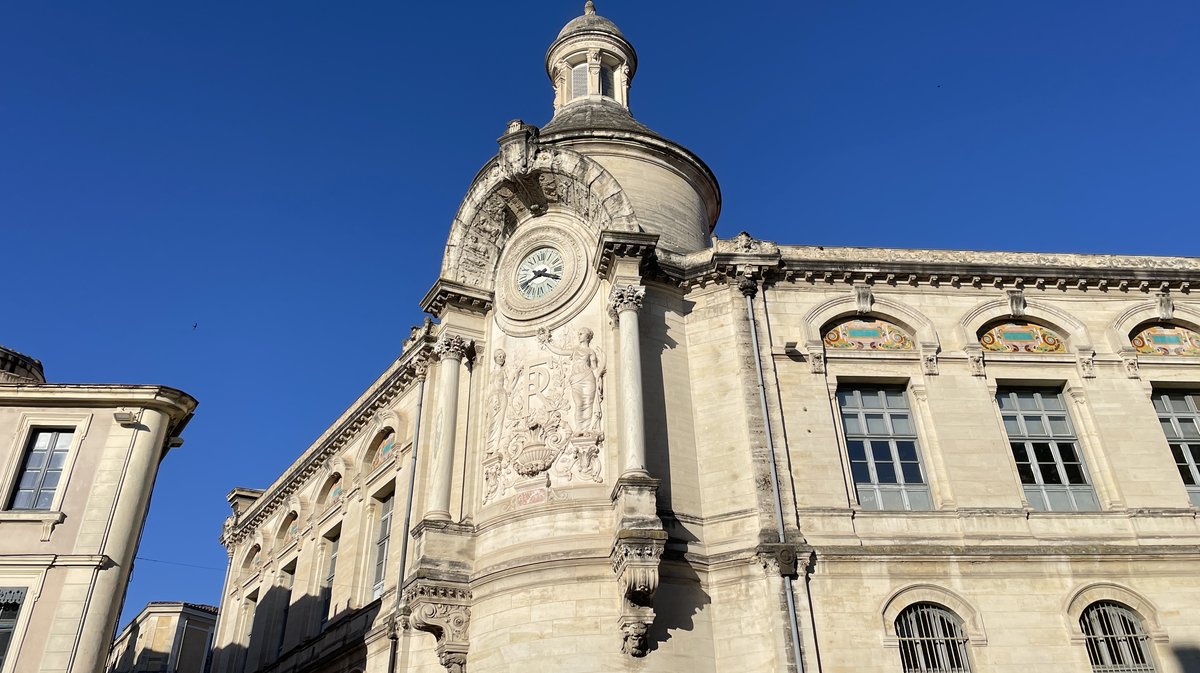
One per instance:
(290,528)
(932,640)
(251,562)
(579,81)
(381,447)
(1115,639)
(331,491)
(1020,337)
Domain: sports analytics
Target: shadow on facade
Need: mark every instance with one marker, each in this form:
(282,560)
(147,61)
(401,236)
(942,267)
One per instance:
(1188,658)
(678,600)
(290,635)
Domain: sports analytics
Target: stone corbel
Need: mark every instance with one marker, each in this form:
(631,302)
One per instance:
(864,298)
(816,356)
(1087,363)
(518,148)
(1016,303)
(929,360)
(975,359)
(636,552)
(1129,360)
(443,609)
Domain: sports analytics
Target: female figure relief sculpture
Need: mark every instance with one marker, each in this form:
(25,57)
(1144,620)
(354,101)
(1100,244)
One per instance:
(499,399)
(585,377)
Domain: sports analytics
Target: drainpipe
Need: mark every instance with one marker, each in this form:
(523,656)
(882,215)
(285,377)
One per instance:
(749,288)
(393,632)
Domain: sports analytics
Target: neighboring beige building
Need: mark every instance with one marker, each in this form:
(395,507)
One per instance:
(78,465)
(165,637)
(625,446)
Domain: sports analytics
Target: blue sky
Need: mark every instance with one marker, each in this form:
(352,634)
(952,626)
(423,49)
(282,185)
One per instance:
(283,175)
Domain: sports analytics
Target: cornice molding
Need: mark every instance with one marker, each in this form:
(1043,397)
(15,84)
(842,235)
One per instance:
(613,244)
(450,294)
(411,368)
(175,403)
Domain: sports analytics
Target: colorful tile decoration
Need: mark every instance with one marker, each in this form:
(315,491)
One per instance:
(1165,339)
(1021,337)
(383,452)
(867,335)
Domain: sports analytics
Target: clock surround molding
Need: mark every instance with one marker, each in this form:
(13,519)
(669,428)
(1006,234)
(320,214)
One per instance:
(519,316)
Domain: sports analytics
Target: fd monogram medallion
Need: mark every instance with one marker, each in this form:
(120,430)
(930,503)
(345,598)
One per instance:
(545,415)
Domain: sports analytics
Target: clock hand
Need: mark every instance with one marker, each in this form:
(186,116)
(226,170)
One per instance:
(550,275)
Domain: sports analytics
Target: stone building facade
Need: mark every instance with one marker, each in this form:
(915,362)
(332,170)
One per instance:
(78,466)
(626,445)
(165,637)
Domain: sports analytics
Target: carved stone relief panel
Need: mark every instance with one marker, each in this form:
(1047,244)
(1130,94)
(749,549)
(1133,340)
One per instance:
(544,413)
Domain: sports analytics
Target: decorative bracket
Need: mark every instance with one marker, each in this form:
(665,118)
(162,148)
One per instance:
(442,608)
(1016,303)
(864,298)
(975,360)
(635,555)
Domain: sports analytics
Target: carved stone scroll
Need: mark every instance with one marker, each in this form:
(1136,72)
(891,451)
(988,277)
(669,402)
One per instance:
(443,609)
(635,555)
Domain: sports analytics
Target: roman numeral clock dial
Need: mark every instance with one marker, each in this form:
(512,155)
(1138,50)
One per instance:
(539,273)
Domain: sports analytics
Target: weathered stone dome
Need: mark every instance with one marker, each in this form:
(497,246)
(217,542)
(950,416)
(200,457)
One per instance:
(19,368)
(590,21)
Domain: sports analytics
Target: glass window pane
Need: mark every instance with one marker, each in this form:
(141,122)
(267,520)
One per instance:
(866,498)
(875,424)
(1159,405)
(1177,452)
(1085,500)
(1185,473)
(902,424)
(44,500)
(1178,403)
(36,460)
(1036,500)
(1043,453)
(881,451)
(852,424)
(896,400)
(1195,451)
(30,479)
(846,399)
(1067,453)
(1019,453)
(1052,402)
(1059,426)
(57,460)
(856,450)
(1011,426)
(862,474)
(23,500)
(886,472)
(912,473)
(871,399)
(919,499)
(906,450)
(1005,401)
(1074,473)
(41,441)
(1034,425)
(1049,473)
(1059,501)
(1026,473)
(1168,428)
(1187,428)
(1027,402)
(891,499)
(64,441)
(50,481)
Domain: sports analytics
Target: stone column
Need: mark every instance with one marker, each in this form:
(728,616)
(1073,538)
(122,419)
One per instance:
(625,302)
(450,349)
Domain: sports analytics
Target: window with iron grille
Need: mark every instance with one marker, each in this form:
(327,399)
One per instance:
(1046,451)
(381,545)
(931,640)
(1116,642)
(45,457)
(579,80)
(881,440)
(1179,415)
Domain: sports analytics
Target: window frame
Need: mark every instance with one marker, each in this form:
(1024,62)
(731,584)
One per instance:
(29,423)
(1119,637)
(333,542)
(905,489)
(31,584)
(587,83)
(1039,489)
(940,643)
(1189,447)
(382,542)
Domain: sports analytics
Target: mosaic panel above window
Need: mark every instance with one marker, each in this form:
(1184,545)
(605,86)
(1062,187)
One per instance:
(1166,339)
(867,335)
(1021,337)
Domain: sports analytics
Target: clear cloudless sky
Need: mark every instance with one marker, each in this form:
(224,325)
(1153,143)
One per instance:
(283,175)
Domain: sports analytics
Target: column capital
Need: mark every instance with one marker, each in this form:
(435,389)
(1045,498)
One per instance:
(625,298)
(452,347)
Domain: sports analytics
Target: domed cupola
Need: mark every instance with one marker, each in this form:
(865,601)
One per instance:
(19,368)
(591,65)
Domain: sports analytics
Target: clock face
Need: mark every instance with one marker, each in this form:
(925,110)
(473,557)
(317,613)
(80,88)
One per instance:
(539,273)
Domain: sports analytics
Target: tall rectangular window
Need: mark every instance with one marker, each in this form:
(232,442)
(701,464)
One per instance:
(10,608)
(579,81)
(1046,451)
(881,440)
(287,580)
(330,572)
(45,456)
(1179,415)
(382,540)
